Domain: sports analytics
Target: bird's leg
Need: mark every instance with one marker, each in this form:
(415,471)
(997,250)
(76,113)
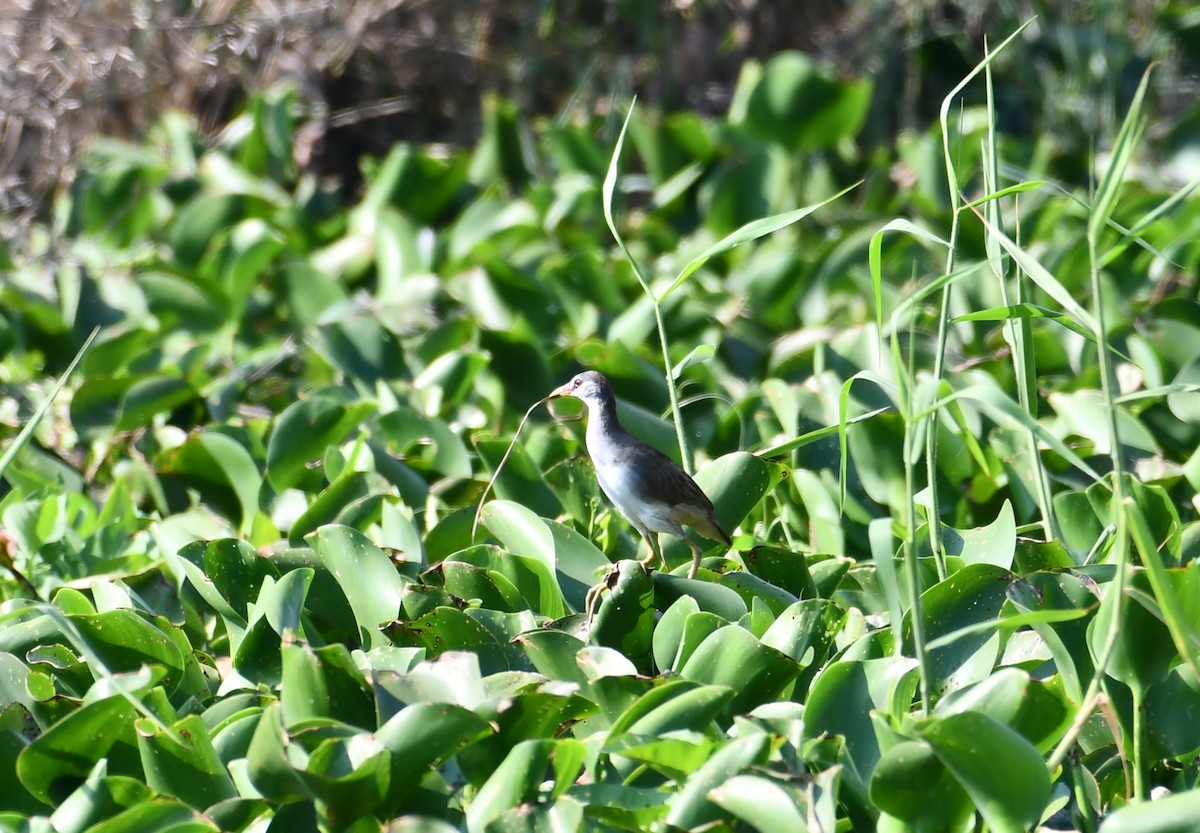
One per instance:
(655,556)
(697,554)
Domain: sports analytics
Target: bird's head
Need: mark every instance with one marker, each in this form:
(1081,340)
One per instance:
(590,387)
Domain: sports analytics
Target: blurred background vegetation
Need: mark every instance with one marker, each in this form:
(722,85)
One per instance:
(373,72)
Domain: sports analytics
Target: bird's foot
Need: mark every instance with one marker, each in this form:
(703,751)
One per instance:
(591,601)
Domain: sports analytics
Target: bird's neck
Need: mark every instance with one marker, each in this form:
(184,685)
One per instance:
(602,418)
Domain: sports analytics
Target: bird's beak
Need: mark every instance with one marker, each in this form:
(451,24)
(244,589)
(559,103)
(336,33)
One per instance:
(565,390)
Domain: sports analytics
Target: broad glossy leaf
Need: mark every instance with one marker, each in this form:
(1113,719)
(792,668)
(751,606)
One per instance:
(150,396)
(553,653)
(449,629)
(732,657)
(268,767)
(237,571)
(349,777)
(59,760)
(514,782)
(1002,772)
(971,596)
(303,432)
(715,598)
(679,705)
(100,797)
(124,642)
(324,683)
(366,575)
(212,459)
(800,105)
(1143,651)
(421,737)
(691,806)
(912,784)
(844,694)
(783,568)
(182,762)
(992,544)
(764,804)
(625,617)
(1170,814)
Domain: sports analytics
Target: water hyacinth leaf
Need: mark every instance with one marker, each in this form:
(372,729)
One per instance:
(553,653)
(912,784)
(303,432)
(100,797)
(970,596)
(446,629)
(520,480)
(420,737)
(806,626)
(691,807)
(1001,771)
(520,530)
(762,803)
(211,458)
(753,590)
(1169,814)
(59,760)
(349,777)
(237,571)
(1144,651)
(625,617)
(324,683)
(407,430)
(268,767)
(513,783)
(360,347)
(992,544)
(124,642)
(529,715)
(712,597)
(799,104)
(365,574)
(520,576)
(182,762)
(668,633)
(1036,709)
(468,582)
(783,568)
(680,705)
(198,222)
(150,396)
(732,657)
(337,502)
(161,813)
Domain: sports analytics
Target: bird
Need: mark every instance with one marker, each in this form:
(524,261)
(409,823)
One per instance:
(653,493)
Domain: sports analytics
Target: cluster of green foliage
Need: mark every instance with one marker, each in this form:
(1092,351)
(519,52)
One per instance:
(956,440)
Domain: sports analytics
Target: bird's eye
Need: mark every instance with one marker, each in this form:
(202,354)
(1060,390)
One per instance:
(577,383)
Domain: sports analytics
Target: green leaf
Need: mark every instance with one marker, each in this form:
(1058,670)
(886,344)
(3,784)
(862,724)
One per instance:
(303,432)
(750,231)
(514,782)
(911,783)
(992,544)
(799,105)
(208,457)
(366,575)
(762,803)
(1170,814)
(1002,772)
(733,657)
(183,762)
(691,807)
(59,759)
